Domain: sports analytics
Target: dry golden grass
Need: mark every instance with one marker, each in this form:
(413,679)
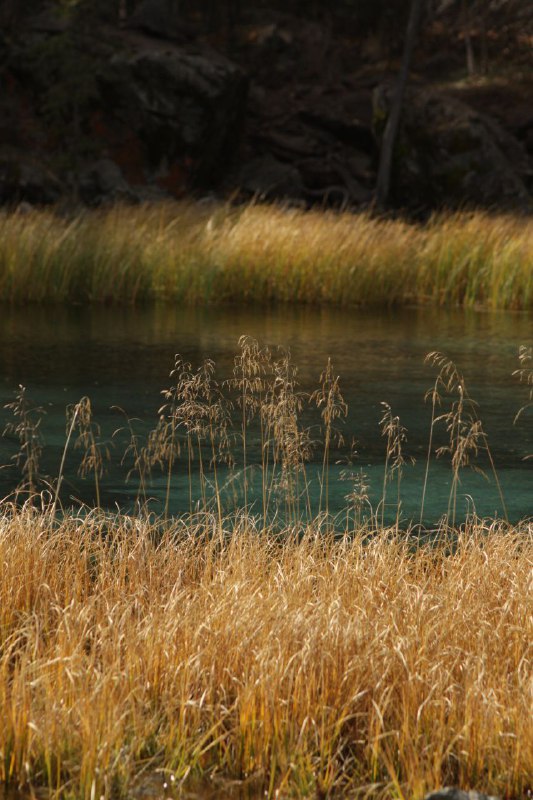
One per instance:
(264,254)
(315,664)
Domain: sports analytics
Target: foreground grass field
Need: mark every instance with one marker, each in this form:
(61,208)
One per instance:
(305,663)
(263,254)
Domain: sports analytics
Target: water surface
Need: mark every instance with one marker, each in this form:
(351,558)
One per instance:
(122,357)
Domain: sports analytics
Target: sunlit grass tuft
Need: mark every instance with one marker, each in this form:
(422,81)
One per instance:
(312,663)
(265,254)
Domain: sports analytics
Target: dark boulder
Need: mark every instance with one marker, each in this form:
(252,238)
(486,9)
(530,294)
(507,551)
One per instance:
(342,127)
(25,179)
(159,18)
(171,115)
(448,155)
(114,109)
(269,179)
(103,181)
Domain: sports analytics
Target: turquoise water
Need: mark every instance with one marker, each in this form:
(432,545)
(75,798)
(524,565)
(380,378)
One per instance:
(122,357)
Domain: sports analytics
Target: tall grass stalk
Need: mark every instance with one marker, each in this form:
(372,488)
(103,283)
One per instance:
(525,375)
(463,426)
(193,442)
(134,453)
(329,398)
(311,664)
(395,435)
(192,254)
(252,365)
(95,452)
(26,429)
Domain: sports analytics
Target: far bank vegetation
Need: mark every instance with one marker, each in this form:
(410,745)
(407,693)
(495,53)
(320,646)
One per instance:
(205,253)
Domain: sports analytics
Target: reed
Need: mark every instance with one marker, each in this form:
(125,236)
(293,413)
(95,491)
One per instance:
(525,375)
(396,435)
(260,444)
(297,662)
(192,253)
(466,436)
(26,429)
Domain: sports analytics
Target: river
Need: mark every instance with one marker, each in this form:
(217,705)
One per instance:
(121,357)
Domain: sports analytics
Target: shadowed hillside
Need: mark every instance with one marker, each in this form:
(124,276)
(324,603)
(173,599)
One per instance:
(139,101)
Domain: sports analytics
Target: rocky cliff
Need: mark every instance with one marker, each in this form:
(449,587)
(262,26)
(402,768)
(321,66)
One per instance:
(282,107)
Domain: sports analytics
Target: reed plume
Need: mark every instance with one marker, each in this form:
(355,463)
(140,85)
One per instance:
(525,375)
(466,435)
(329,399)
(288,445)
(26,429)
(95,451)
(396,435)
(252,370)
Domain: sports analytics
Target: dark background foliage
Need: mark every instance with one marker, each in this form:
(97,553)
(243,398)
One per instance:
(139,99)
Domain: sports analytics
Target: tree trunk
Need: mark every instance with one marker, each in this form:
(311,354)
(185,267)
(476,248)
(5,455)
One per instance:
(393,121)
(467,35)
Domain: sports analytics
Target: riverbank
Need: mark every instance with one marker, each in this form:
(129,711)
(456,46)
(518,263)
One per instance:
(303,663)
(211,254)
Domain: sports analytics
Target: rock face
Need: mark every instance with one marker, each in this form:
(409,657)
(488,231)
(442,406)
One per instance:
(102,182)
(159,18)
(269,179)
(105,107)
(171,116)
(314,143)
(448,155)
(25,180)
(111,113)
